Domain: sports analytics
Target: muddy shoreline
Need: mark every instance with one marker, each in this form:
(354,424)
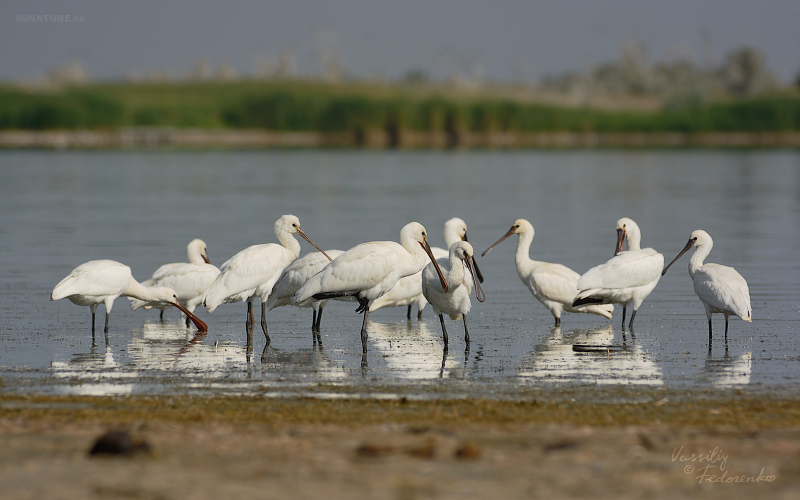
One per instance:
(659,444)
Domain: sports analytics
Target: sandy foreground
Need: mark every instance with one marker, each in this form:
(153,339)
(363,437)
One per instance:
(660,446)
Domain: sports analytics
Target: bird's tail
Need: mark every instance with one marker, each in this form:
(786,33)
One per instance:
(583,301)
(605,310)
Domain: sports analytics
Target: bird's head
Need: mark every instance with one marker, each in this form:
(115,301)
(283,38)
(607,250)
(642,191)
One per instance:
(520,226)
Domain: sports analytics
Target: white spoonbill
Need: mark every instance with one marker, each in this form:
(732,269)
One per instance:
(721,289)
(196,251)
(252,273)
(189,281)
(455,301)
(627,278)
(102,281)
(408,290)
(369,270)
(295,276)
(554,285)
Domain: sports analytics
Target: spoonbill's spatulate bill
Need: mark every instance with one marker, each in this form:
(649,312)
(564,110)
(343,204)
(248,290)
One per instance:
(721,289)
(102,281)
(455,301)
(252,273)
(295,276)
(369,270)
(554,285)
(627,278)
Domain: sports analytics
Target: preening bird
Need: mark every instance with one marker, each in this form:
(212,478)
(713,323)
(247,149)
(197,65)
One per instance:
(189,281)
(102,281)
(197,253)
(251,273)
(455,301)
(721,289)
(408,290)
(627,278)
(295,276)
(554,285)
(369,270)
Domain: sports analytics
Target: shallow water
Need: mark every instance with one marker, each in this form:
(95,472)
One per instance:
(60,209)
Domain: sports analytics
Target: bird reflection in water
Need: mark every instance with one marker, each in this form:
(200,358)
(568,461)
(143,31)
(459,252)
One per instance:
(589,356)
(413,350)
(727,370)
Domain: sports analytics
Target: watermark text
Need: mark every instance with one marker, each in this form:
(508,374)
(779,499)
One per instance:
(49,18)
(711,467)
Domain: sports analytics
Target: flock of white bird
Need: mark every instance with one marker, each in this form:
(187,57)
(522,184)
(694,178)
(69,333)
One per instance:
(388,274)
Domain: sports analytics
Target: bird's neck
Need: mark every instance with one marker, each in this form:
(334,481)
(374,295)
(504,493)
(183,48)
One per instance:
(450,236)
(141,292)
(289,242)
(634,240)
(455,275)
(696,262)
(522,256)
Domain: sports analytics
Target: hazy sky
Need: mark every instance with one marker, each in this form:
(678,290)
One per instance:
(387,38)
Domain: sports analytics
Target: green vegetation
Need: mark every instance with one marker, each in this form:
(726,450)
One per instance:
(319,107)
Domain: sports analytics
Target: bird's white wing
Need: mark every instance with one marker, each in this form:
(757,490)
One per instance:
(246,271)
(362,267)
(164,270)
(296,274)
(554,282)
(723,288)
(626,270)
(188,280)
(94,278)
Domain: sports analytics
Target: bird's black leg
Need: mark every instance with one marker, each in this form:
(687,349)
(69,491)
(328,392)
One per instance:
(364,332)
(105,330)
(264,320)
(363,306)
(709,334)
(633,315)
(94,342)
(444,331)
(319,320)
(624,311)
(250,319)
(317,326)
(726,334)
(419,313)
(161,316)
(313,320)
(558,321)
(466,330)
(408,312)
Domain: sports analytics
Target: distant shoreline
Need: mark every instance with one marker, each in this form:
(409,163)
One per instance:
(156,138)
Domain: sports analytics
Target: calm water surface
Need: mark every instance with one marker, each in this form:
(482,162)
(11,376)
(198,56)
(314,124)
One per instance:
(60,209)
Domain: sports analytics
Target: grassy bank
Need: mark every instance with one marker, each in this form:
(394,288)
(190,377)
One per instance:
(365,109)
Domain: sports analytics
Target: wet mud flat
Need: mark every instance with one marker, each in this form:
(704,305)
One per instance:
(559,444)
